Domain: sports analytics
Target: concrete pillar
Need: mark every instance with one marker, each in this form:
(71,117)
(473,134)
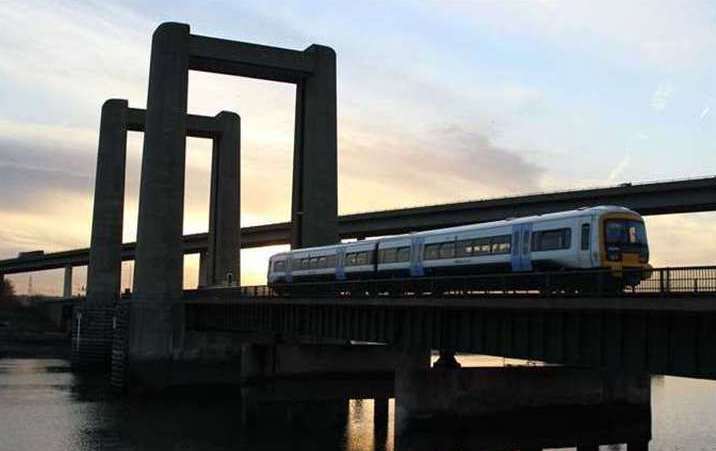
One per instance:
(67,287)
(224,205)
(157,322)
(104,271)
(257,361)
(380,423)
(159,256)
(203,269)
(314,209)
(447,360)
(411,360)
(92,342)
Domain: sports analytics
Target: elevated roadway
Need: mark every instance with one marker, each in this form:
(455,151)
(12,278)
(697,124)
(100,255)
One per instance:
(681,196)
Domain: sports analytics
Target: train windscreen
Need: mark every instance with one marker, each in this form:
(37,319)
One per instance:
(626,235)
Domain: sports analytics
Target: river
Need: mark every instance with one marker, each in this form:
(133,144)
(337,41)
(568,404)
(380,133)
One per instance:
(44,406)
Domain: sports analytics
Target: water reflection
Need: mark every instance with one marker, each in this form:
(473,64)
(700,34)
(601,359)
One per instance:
(44,406)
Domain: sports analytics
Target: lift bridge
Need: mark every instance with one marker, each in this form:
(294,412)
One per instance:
(163,335)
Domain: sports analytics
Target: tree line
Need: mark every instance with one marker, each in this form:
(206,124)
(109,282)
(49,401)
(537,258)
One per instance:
(7,291)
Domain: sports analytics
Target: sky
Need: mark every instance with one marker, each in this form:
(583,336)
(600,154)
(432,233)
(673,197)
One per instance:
(437,102)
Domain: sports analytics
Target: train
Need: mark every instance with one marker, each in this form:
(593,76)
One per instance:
(589,238)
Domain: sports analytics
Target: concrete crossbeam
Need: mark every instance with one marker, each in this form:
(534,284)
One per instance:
(196,126)
(248,60)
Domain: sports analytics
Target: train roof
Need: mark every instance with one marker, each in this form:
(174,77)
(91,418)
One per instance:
(600,209)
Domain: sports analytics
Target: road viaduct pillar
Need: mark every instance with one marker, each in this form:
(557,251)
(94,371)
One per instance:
(67,283)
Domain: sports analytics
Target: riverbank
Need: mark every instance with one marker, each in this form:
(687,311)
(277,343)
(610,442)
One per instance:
(26,333)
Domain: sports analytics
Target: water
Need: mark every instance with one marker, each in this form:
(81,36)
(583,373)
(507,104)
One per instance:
(43,406)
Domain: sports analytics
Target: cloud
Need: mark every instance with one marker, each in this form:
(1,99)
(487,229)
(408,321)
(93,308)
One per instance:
(619,169)
(705,112)
(661,96)
(682,240)
(449,163)
(672,36)
(97,50)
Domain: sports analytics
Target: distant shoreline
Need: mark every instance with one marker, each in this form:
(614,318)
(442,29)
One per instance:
(26,333)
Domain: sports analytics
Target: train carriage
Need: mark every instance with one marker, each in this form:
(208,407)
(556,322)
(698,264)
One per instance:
(604,237)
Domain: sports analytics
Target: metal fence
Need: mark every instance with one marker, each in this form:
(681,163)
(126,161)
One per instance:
(691,281)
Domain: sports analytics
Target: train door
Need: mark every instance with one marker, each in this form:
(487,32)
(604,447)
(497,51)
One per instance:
(340,263)
(585,243)
(289,263)
(416,259)
(521,257)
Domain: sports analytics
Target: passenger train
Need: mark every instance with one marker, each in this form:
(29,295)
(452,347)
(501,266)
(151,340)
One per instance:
(602,237)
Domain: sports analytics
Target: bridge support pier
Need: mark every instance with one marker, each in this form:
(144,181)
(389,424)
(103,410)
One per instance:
(461,396)
(93,325)
(156,313)
(447,360)
(380,422)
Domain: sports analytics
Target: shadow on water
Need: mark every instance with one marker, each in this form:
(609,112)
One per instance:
(584,428)
(45,406)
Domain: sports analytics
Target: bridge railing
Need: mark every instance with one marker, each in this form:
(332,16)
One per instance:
(697,280)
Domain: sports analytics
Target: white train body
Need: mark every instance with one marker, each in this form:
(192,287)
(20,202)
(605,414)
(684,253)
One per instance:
(586,238)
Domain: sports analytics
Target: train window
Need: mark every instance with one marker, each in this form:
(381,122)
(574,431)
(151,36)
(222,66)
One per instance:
(550,240)
(431,251)
(464,248)
(362,258)
(525,242)
(447,250)
(481,246)
(279,266)
(304,263)
(330,261)
(322,262)
(314,262)
(388,255)
(501,244)
(350,259)
(585,237)
(403,254)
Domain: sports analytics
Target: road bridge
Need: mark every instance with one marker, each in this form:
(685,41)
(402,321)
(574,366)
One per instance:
(683,196)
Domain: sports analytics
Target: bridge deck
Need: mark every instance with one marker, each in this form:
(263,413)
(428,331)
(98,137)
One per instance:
(654,333)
